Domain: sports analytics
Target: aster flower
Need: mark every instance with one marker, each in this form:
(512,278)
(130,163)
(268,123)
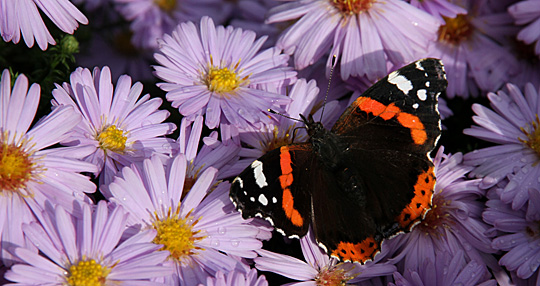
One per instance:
(472,58)
(513,125)
(447,269)
(32,174)
(151,19)
(237,277)
(318,268)
(87,251)
(364,34)
(119,126)
(195,220)
(528,13)
(453,224)
(23,16)
(219,72)
(518,233)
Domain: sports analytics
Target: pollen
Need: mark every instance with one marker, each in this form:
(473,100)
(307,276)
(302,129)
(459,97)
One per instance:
(437,218)
(332,276)
(533,136)
(166,5)
(112,139)
(455,30)
(351,7)
(17,167)
(281,137)
(176,234)
(222,80)
(87,273)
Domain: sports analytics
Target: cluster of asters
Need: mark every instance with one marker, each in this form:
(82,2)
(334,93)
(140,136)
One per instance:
(163,214)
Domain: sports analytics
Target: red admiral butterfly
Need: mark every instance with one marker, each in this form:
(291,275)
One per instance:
(369,178)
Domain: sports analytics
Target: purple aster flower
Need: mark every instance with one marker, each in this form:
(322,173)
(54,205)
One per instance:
(513,125)
(87,251)
(318,268)
(31,173)
(364,34)
(446,269)
(23,17)
(518,233)
(195,220)
(453,224)
(118,125)
(151,19)
(472,58)
(528,13)
(237,277)
(219,72)
(439,8)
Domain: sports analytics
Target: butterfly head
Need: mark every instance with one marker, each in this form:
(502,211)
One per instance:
(314,129)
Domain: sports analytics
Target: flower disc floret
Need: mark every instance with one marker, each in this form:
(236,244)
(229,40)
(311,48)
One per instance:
(87,273)
(533,136)
(350,7)
(222,80)
(333,276)
(455,30)
(16,166)
(176,234)
(113,139)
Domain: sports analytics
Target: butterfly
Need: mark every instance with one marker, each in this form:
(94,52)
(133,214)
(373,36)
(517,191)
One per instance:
(367,179)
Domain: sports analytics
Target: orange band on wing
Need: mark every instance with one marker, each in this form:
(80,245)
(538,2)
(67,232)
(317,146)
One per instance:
(286,180)
(421,202)
(357,252)
(412,122)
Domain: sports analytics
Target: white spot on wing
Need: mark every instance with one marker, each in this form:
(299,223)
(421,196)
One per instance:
(263,200)
(422,95)
(415,106)
(274,200)
(427,83)
(419,65)
(260,179)
(252,199)
(400,81)
(240,182)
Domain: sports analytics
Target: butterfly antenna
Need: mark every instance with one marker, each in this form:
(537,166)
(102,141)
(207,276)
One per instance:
(334,59)
(280,114)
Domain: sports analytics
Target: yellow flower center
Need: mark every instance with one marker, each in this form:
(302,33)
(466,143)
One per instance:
(533,136)
(455,30)
(437,218)
(177,234)
(350,7)
(222,80)
(282,138)
(112,139)
(166,5)
(87,273)
(332,276)
(16,166)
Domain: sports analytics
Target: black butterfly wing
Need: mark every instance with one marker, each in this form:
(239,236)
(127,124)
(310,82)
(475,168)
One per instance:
(386,179)
(277,187)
